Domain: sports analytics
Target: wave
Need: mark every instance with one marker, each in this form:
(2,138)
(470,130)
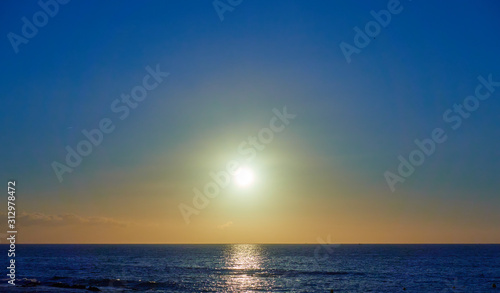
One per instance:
(256,272)
(96,284)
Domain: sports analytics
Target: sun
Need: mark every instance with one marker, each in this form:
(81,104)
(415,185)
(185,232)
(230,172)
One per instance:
(244,176)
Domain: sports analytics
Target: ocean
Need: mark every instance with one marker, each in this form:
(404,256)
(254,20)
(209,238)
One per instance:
(255,268)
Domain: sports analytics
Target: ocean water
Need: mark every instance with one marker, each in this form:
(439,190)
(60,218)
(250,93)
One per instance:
(255,268)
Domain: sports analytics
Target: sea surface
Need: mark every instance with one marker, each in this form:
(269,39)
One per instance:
(255,268)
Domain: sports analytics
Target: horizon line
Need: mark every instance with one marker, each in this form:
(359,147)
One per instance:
(242,243)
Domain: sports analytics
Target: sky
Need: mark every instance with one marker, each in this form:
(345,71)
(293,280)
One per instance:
(320,101)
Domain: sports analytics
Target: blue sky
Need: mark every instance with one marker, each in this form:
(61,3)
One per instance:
(353,119)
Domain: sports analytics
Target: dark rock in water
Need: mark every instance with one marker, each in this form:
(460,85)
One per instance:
(494,285)
(78,286)
(28,283)
(60,285)
(75,286)
(58,278)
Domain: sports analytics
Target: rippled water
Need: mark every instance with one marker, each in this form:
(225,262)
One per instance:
(256,268)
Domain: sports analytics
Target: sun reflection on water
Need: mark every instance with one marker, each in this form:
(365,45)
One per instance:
(245,268)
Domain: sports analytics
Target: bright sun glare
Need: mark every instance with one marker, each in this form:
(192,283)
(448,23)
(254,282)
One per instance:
(244,176)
